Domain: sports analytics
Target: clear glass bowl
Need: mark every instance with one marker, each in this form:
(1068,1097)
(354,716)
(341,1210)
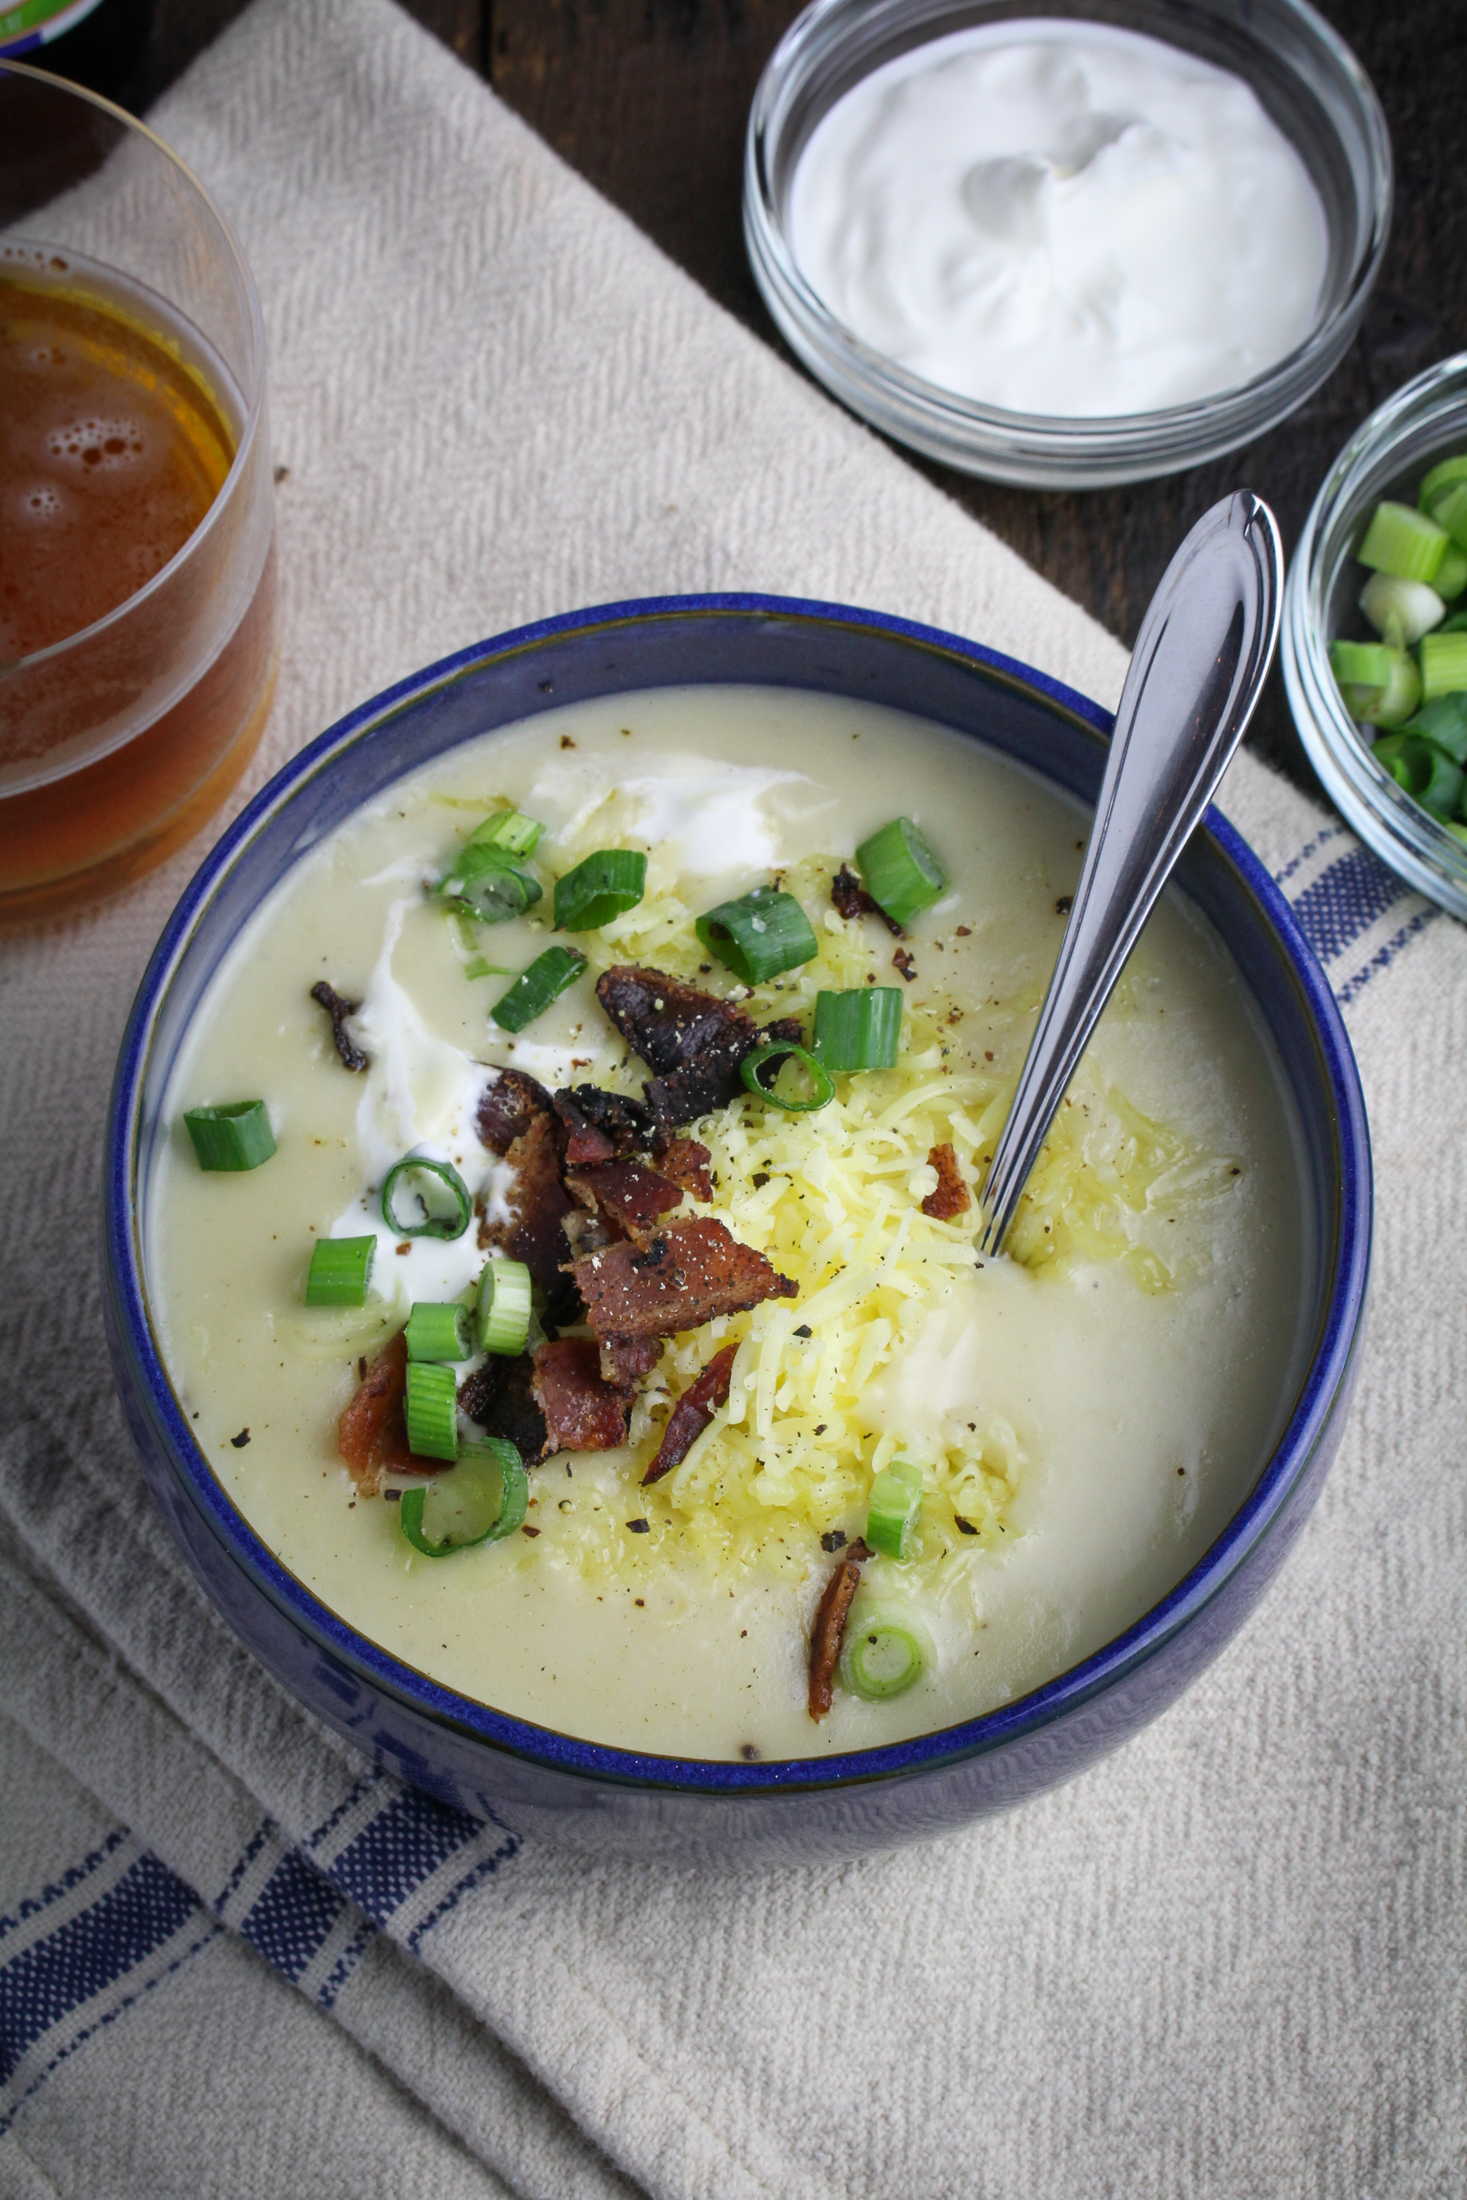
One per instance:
(1305,77)
(1385,458)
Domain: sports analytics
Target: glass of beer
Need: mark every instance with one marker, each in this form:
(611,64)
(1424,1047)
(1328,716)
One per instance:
(137,567)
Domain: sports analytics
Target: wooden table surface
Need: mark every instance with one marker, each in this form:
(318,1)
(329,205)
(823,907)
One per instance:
(648,99)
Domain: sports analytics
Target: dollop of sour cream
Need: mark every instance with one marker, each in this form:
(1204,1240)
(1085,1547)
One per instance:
(1061,218)
(420,1096)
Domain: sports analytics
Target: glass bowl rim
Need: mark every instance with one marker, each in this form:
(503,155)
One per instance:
(1058,450)
(1407,839)
(1342,1293)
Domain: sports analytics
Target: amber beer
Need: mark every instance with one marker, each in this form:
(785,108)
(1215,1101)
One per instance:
(136,505)
(135,670)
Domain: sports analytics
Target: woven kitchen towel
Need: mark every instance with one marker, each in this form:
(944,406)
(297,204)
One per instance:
(234,1960)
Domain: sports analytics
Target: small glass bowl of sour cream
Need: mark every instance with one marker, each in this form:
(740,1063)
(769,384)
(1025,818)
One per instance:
(1385,457)
(1064,251)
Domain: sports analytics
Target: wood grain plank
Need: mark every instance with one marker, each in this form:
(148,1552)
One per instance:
(649,100)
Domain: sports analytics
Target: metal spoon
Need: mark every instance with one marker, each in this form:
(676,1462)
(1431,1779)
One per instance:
(1205,644)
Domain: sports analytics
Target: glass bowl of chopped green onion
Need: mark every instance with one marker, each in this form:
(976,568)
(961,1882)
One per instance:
(1374,642)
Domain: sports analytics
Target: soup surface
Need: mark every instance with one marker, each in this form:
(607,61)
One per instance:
(1085,1412)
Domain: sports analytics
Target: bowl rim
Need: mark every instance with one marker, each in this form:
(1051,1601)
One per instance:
(1047,450)
(1325,1376)
(1408,840)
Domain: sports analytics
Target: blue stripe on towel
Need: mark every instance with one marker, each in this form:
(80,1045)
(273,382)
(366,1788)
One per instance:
(310,1920)
(37,1905)
(1345,900)
(46,1981)
(409,1839)
(1385,955)
(293,1917)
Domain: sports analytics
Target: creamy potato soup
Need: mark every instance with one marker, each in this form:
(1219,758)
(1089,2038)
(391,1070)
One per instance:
(1029,1450)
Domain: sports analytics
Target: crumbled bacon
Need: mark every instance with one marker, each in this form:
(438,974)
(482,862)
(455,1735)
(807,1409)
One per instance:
(666,1020)
(600,1126)
(951,1195)
(371,1434)
(582,1413)
(684,1161)
(852,900)
(625,1360)
(829,1631)
(691,1272)
(903,962)
(352,1056)
(500,1396)
(588,1233)
(692,1413)
(508,1108)
(626,1193)
(538,1204)
(693,1041)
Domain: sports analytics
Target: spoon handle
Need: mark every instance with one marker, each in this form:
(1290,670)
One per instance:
(1199,663)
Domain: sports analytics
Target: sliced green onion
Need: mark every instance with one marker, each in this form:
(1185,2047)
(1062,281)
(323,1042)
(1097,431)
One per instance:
(1422,770)
(486,881)
(1403,691)
(432,1410)
(1392,703)
(1403,541)
(901,870)
(1457,829)
(1451,574)
(1395,753)
(340,1271)
(502,1309)
(1443,665)
(476,967)
(896,1500)
(1449,510)
(1443,790)
(507,829)
(1443,722)
(1456,624)
(423,1198)
(1401,611)
(1443,498)
(821,1090)
(534,989)
(858,1029)
(439,1332)
(606,885)
(234,1136)
(1444,475)
(481,1499)
(884,1655)
(759,935)
(1360,664)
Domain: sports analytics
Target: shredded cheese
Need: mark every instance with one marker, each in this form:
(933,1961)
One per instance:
(834,1201)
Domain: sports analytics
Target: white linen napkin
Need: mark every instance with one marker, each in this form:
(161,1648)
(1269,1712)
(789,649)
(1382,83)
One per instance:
(235,1960)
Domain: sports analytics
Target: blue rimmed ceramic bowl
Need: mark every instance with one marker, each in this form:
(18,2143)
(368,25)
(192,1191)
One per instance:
(608,1799)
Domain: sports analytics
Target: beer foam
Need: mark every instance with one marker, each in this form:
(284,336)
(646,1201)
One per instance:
(99,445)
